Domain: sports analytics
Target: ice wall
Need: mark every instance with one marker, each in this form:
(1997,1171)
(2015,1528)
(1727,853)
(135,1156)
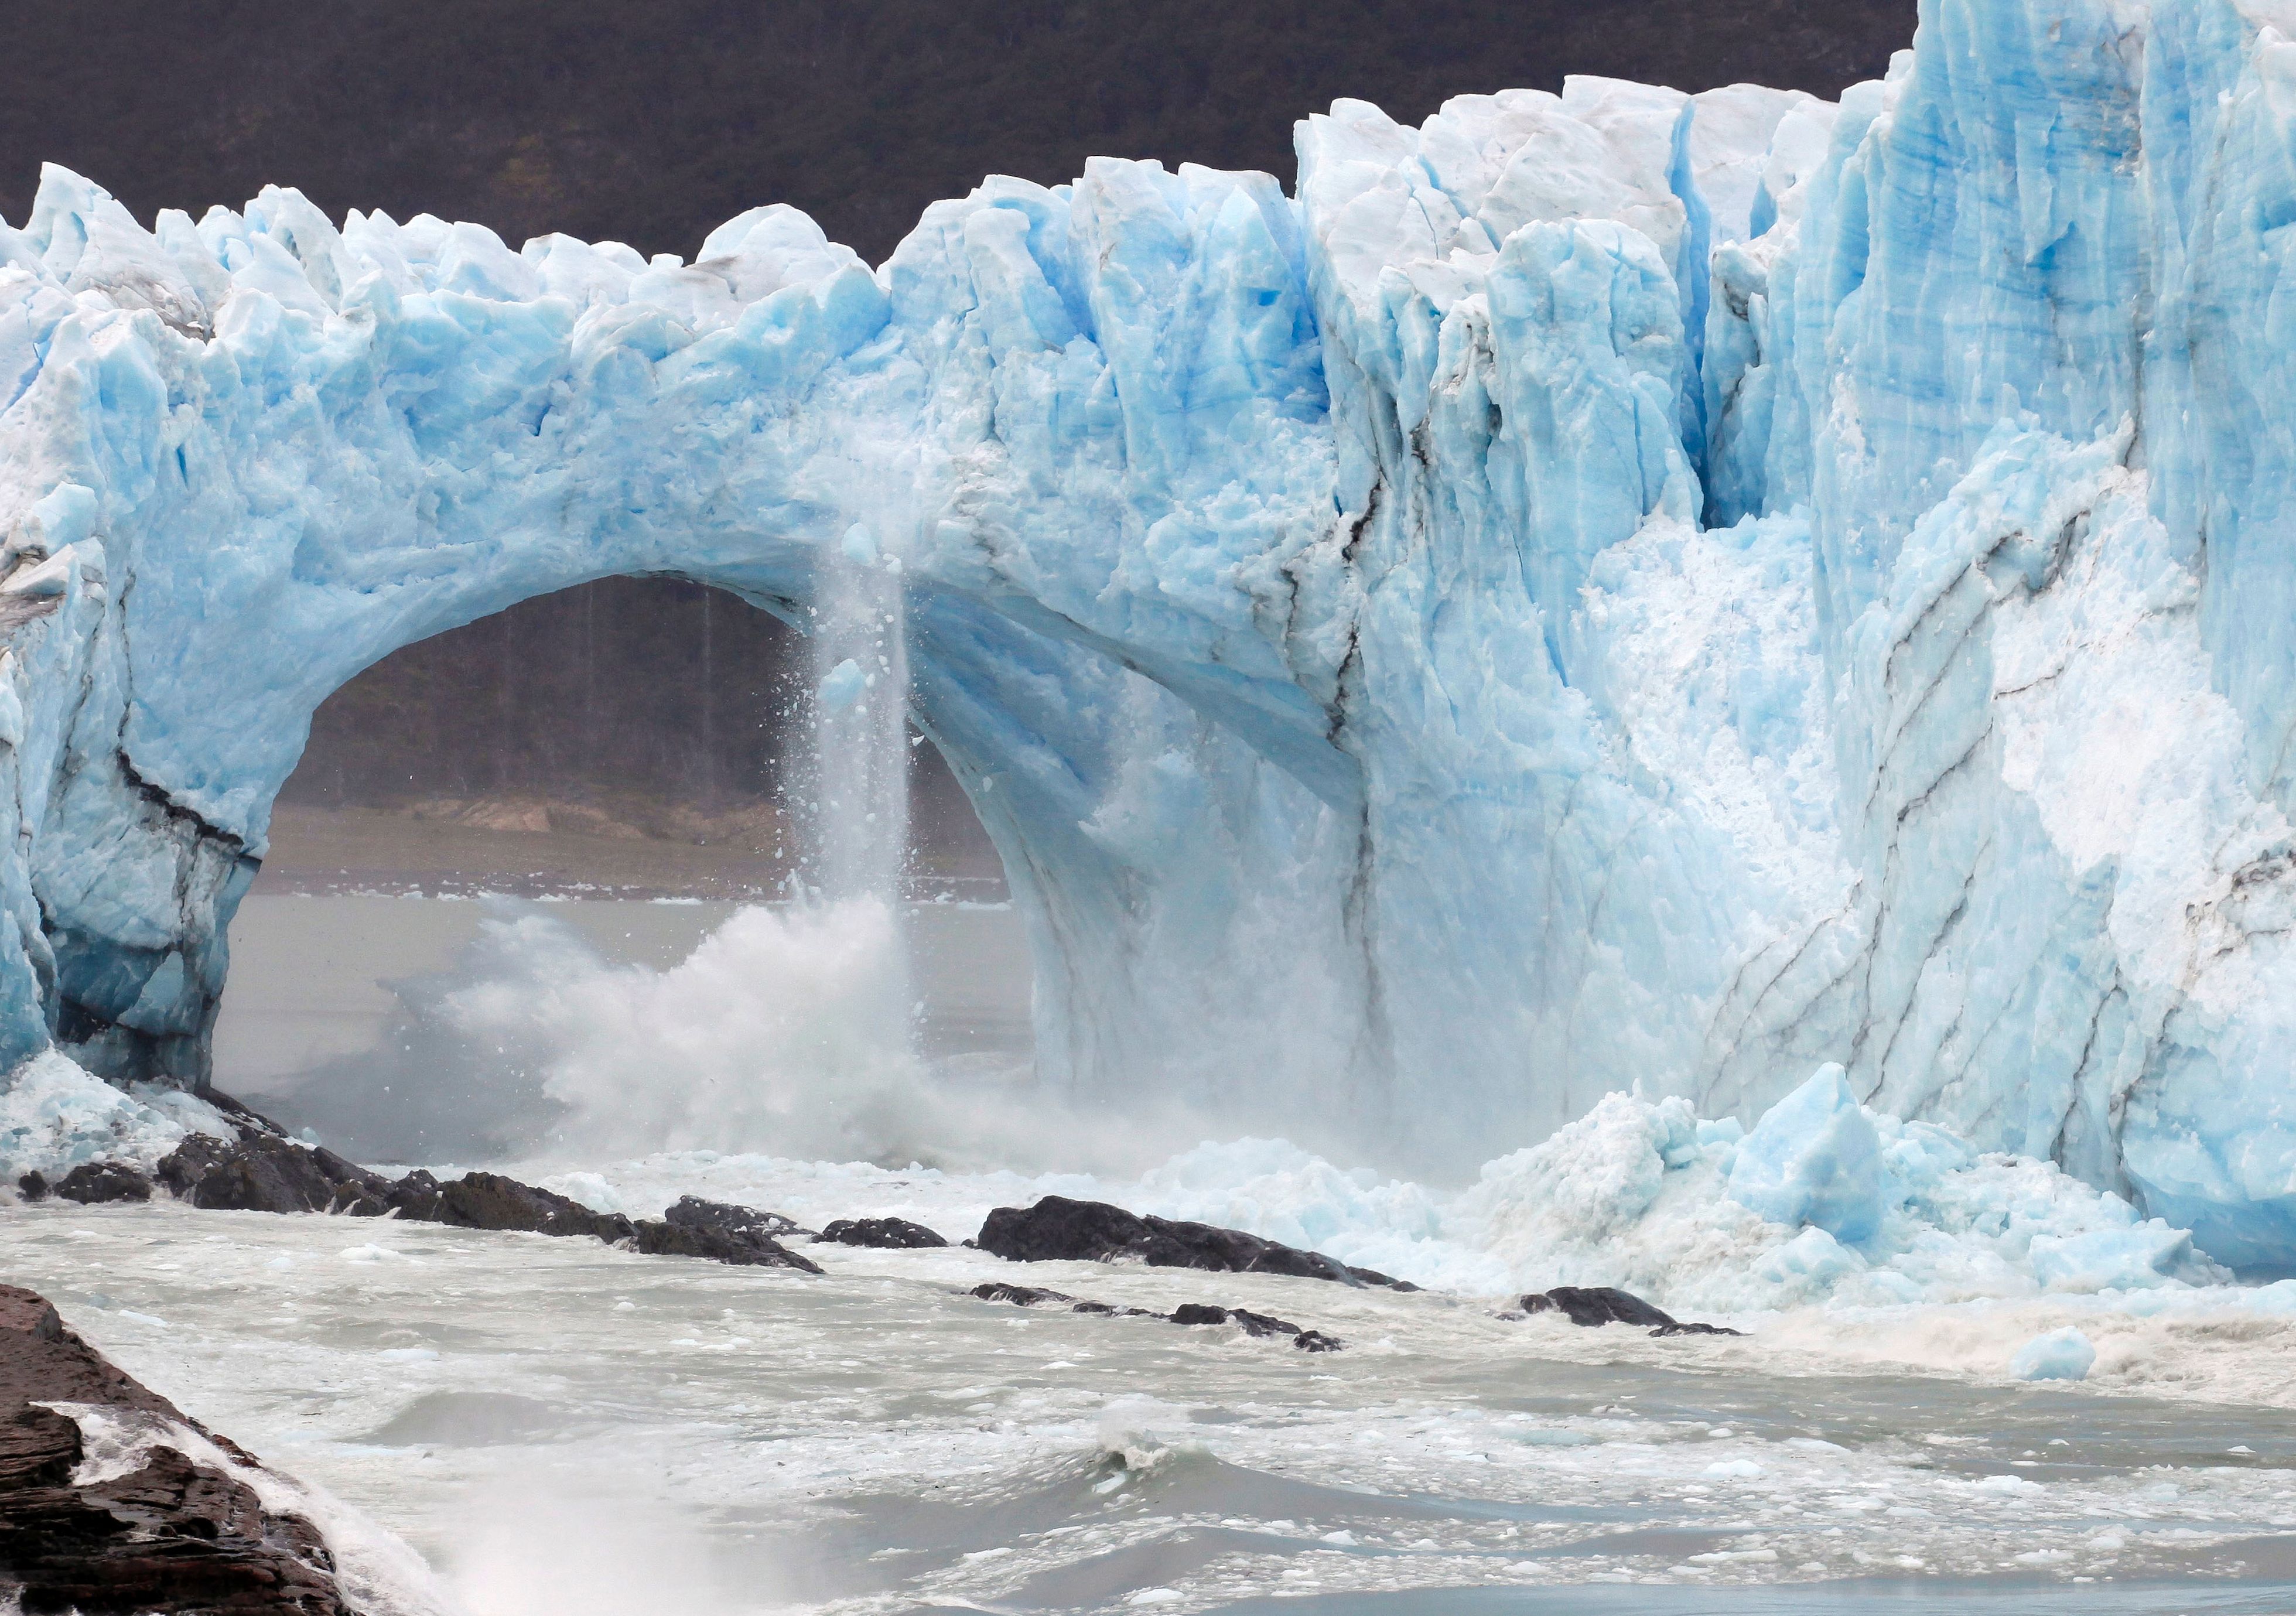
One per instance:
(1600,588)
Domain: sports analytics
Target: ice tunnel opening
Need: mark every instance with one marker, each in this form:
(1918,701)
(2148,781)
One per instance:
(572,797)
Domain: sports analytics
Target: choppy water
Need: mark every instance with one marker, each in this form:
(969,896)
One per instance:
(562,1428)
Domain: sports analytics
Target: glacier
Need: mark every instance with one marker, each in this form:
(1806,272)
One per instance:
(1599,589)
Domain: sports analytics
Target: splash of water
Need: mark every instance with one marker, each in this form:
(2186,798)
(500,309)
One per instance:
(782,1034)
(786,1030)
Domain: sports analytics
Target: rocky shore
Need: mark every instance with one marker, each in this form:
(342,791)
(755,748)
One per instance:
(115,1503)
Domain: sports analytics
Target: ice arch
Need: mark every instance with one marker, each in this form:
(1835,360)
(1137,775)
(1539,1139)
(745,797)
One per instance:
(1598,588)
(288,483)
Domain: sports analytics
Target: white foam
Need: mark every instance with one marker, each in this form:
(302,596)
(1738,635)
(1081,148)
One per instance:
(783,1029)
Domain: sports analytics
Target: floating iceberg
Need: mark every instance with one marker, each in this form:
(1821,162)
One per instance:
(1601,588)
(2061,1355)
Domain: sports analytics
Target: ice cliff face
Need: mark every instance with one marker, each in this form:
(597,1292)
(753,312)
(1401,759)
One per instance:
(1600,588)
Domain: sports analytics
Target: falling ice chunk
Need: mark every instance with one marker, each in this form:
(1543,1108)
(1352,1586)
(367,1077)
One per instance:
(860,545)
(842,685)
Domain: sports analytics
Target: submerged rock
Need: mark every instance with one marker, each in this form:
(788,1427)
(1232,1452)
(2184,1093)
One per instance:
(182,1532)
(1029,1296)
(1056,1229)
(743,1248)
(1256,1324)
(1691,1326)
(1248,1322)
(1187,1313)
(885,1233)
(1594,1305)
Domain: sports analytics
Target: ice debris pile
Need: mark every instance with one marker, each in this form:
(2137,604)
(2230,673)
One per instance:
(1602,587)
(1641,1194)
(55,1116)
(1823,1203)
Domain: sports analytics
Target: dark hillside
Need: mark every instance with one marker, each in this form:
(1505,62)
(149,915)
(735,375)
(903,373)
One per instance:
(651,122)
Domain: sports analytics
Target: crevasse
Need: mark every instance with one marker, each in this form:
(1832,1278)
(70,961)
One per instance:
(1600,588)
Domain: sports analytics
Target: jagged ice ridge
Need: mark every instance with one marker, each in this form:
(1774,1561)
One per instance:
(1600,588)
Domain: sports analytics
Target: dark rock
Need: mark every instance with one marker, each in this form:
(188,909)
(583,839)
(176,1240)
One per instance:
(266,1172)
(1252,1324)
(885,1233)
(745,1248)
(1056,1229)
(1187,1313)
(183,1167)
(245,1118)
(33,1186)
(695,1213)
(92,1183)
(415,1196)
(1256,1324)
(1026,1296)
(173,1537)
(1593,1305)
(1259,1324)
(489,1201)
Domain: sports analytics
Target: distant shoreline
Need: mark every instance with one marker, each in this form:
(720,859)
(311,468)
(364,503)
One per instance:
(348,851)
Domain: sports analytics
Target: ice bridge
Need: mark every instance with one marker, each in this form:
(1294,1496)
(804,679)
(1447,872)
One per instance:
(1600,588)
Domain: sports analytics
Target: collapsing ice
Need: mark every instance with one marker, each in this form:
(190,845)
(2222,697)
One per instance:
(1608,588)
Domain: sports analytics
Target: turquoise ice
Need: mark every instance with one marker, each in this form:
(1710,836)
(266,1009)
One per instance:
(1814,1159)
(2061,1355)
(1597,589)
